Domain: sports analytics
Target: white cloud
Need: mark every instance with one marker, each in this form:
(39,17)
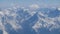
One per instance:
(34,6)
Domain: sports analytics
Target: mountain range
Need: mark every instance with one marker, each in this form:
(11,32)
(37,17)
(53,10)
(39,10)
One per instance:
(30,21)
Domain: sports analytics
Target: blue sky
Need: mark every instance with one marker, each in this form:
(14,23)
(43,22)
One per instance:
(10,3)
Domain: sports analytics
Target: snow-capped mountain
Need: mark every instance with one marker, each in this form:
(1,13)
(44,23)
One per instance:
(27,21)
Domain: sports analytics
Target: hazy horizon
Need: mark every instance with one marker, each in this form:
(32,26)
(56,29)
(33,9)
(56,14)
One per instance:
(41,3)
